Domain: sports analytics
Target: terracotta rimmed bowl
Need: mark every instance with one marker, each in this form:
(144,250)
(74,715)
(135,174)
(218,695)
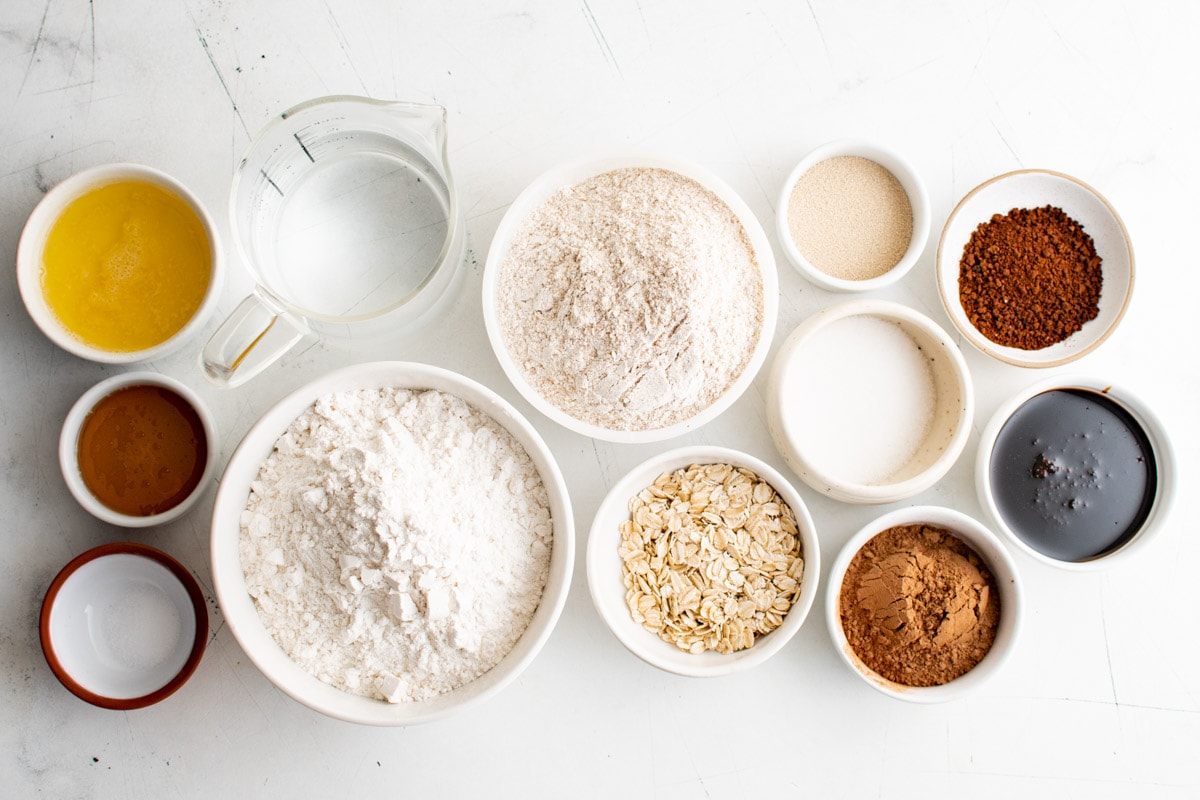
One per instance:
(123,626)
(1035,188)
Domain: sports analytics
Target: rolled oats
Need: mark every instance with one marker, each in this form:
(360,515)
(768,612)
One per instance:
(711,558)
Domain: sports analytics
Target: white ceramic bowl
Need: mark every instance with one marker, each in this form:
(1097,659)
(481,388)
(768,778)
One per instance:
(37,230)
(68,448)
(1152,426)
(230,583)
(606,578)
(999,563)
(1032,188)
(867,429)
(123,626)
(574,172)
(918,198)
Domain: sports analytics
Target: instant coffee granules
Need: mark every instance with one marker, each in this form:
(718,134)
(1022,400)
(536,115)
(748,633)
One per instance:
(919,606)
(1029,278)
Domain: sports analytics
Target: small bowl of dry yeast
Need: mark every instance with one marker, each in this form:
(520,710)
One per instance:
(853,216)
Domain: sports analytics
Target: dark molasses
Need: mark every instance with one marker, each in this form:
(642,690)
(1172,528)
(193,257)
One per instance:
(1074,474)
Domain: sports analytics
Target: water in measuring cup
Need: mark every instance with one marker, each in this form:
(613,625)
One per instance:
(362,228)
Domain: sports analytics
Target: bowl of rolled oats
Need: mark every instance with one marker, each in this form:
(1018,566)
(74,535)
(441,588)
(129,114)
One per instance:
(703,561)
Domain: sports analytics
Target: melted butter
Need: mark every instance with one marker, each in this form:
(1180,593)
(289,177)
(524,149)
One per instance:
(126,265)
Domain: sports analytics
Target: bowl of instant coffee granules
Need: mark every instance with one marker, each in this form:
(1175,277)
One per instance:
(1035,268)
(630,298)
(924,604)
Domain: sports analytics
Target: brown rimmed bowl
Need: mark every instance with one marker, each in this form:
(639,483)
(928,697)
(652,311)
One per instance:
(123,626)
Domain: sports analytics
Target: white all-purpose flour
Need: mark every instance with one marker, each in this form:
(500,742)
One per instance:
(396,542)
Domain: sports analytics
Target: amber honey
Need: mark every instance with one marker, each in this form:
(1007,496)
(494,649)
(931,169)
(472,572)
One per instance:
(142,450)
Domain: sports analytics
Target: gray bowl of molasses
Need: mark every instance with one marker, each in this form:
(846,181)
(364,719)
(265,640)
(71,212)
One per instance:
(1076,472)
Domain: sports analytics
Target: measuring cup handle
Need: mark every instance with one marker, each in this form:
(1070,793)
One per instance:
(254,336)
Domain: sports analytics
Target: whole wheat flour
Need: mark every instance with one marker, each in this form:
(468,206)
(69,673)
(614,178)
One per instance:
(396,542)
(631,300)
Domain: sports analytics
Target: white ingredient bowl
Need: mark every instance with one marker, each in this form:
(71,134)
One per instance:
(123,626)
(239,609)
(1156,433)
(999,563)
(68,448)
(798,437)
(37,230)
(1033,188)
(606,577)
(570,174)
(913,186)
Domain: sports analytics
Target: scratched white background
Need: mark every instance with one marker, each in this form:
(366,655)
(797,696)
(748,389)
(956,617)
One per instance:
(1102,698)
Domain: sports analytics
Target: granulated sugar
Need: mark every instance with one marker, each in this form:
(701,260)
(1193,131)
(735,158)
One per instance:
(850,218)
(863,394)
(632,300)
(396,542)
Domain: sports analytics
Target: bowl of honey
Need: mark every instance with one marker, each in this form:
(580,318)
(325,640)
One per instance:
(119,263)
(138,449)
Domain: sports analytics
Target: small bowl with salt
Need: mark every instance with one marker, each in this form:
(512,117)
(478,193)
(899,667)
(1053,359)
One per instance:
(123,626)
(924,604)
(853,216)
(710,517)
(630,298)
(869,401)
(1035,268)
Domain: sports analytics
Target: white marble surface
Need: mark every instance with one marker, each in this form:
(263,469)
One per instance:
(1102,698)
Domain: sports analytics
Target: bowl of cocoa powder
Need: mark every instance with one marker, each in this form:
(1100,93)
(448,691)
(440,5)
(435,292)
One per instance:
(924,604)
(1035,268)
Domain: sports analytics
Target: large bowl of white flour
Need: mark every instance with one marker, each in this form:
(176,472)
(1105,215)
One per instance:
(630,298)
(391,543)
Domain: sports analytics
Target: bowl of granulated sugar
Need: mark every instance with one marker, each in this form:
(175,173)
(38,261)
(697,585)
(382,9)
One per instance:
(630,298)
(869,401)
(853,216)
(392,543)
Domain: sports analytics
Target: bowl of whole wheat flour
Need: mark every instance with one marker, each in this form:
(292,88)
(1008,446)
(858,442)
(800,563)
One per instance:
(392,543)
(630,298)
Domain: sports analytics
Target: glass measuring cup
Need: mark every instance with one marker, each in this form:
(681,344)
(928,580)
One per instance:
(344,212)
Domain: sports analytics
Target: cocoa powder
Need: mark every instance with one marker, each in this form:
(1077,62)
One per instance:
(1029,278)
(919,606)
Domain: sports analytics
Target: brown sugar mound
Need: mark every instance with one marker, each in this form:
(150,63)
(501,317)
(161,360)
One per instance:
(919,606)
(1029,278)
